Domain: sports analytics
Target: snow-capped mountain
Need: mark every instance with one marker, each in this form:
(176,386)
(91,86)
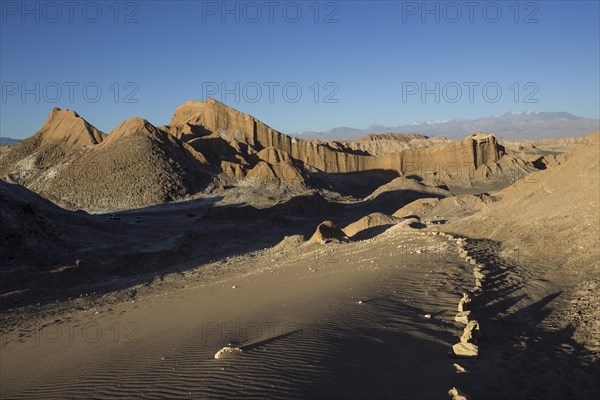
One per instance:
(511,125)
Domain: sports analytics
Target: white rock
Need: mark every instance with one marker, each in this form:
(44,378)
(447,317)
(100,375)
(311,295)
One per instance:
(464,317)
(456,394)
(463,304)
(471,333)
(478,275)
(460,369)
(227,352)
(465,350)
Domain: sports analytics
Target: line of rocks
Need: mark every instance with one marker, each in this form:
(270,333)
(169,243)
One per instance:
(468,345)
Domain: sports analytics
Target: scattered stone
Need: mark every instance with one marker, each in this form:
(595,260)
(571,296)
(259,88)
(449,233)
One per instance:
(464,317)
(233,287)
(463,304)
(227,352)
(456,394)
(465,350)
(427,316)
(478,275)
(459,369)
(471,333)
(520,346)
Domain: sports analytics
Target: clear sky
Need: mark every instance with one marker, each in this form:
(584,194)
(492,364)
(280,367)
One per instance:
(355,62)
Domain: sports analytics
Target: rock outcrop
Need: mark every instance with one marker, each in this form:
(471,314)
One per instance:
(327,232)
(378,145)
(195,121)
(68,127)
(72,163)
(391,136)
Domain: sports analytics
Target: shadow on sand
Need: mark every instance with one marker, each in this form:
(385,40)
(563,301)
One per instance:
(174,238)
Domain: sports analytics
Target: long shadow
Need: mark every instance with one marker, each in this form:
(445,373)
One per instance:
(114,259)
(527,354)
(356,184)
(261,343)
(370,233)
(118,262)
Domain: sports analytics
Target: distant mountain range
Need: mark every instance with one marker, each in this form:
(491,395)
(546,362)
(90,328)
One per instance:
(511,125)
(6,141)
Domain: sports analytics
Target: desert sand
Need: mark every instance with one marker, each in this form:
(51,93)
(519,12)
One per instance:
(218,258)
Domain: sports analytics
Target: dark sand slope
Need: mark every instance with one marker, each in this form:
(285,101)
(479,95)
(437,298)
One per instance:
(304,333)
(522,347)
(335,321)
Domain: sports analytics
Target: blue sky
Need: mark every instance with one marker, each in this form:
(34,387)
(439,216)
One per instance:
(355,62)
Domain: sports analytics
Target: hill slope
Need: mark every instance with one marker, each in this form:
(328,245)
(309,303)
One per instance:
(554,212)
(71,163)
